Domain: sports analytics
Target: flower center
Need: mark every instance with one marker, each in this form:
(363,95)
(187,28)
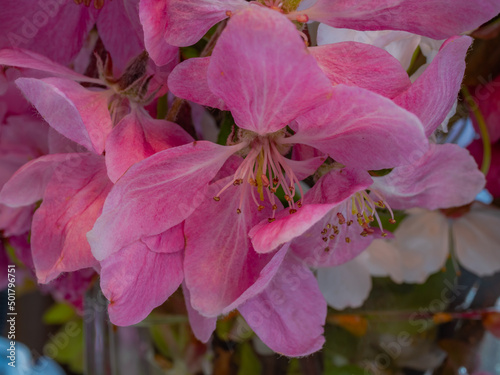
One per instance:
(265,170)
(359,211)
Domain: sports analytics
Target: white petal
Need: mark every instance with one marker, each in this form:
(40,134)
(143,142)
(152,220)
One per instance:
(382,258)
(399,44)
(344,286)
(423,242)
(477,240)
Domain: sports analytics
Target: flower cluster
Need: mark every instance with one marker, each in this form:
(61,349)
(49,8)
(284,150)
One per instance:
(319,137)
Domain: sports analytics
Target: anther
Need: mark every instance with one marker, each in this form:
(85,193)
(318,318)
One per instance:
(332,237)
(348,240)
(292,211)
(229,13)
(325,239)
(392,221)
(328,226)
(287,198)
(335,229)
(271,219)
(275,206)
(299,204)
(349,223)
(327,249)
(216,199)
(341,218)
(265,180)
(237,182)
(384,234)
(260,208)
(238,211)
(324,231)
(302,18)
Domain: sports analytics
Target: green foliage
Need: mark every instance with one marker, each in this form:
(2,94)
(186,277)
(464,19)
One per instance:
(67,346)
(226,127)
(249,363)
(59,313)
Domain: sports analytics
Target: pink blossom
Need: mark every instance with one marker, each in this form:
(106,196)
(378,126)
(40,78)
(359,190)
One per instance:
(184,22)
(46,27)
(261,71)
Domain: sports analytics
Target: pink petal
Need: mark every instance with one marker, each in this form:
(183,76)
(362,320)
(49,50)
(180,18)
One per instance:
(361,129)
(262,70)
(202,327)
(304,168)
(20,189)
(30,60)
(138,136)
(79,114)
(220,263)
(446,176)
(156,194)
(488,99)
(433,94)
(72,202)
(436,19)
(153,15)
(188,20)
(15,221)
(288,316)
(170,241)
(362,65)
(189,81)
(493,176)
(312,247)
(121,31)
(53,28)
(327,193)
(136,280)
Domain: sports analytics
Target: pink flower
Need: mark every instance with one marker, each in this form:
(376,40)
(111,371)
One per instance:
(46,27)
(419,183)
(184,22)
(261,71)
(75,178)
(22,138)
(87,116)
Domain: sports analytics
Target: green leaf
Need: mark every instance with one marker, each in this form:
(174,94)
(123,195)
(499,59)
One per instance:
(59,313)
(226,127)
(345,370)
(249,363)
(66,346)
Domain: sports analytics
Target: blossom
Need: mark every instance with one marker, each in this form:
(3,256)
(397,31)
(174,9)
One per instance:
(184,22)
(473,234)
(33,27)
(264,94)
(22,138)
(417,181)
(75,168)
(111,117)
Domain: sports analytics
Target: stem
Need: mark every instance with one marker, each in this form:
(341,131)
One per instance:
(174,109)
(483,129)
(161,107)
